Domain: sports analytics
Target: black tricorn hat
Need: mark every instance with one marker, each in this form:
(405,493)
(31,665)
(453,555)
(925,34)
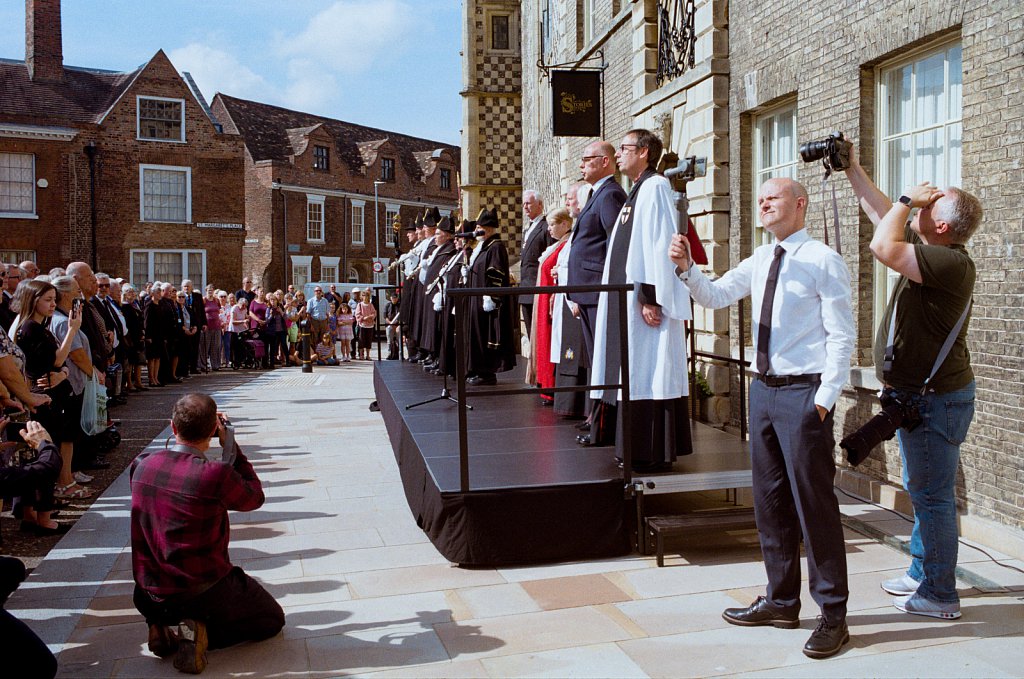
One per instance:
(418,222)
(431,217)
(468,228)
(487,218)
(411,226)
(446,225)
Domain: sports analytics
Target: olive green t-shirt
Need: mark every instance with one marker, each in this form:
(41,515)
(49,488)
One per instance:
(925,314)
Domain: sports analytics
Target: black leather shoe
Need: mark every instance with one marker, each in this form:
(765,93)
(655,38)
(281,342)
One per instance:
(480,379)
(584,440)
(759,613)
(583,426)
(827,639)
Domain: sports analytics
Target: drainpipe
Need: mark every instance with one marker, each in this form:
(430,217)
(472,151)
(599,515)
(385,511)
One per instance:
(90,153)
(284,235)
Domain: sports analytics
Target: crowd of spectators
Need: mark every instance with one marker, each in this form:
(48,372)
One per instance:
(70,333)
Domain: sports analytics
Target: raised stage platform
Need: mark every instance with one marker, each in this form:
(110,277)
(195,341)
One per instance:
(534,495)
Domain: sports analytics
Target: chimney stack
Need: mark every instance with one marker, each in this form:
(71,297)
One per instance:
(44,50)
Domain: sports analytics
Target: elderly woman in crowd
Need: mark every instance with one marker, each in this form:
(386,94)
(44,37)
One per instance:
(541,370)
(227,302)
(210,343)
(135,338)
(238,322)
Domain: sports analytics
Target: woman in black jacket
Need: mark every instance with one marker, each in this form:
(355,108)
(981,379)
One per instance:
(135,338)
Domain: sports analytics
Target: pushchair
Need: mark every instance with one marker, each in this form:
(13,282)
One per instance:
(252,351)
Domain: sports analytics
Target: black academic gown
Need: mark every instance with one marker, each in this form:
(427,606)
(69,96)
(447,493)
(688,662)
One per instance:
(430,330)
(454,278)
(491,341)
(418,301)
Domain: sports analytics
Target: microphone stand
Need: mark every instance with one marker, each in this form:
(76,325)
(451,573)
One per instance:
(445,395)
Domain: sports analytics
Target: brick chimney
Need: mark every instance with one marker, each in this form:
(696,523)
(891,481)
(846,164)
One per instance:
(44,50)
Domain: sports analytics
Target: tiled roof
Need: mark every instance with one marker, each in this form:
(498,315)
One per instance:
(266,130)
(84,96)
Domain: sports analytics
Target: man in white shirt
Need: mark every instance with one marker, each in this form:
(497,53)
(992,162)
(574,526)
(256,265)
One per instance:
(800,290)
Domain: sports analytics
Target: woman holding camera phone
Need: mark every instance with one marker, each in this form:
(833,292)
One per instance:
(45,356)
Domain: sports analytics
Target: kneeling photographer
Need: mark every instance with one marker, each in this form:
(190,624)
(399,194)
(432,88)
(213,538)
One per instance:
(921,357)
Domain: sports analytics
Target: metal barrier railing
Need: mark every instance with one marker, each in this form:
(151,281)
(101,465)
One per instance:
(462,295)
(742,363)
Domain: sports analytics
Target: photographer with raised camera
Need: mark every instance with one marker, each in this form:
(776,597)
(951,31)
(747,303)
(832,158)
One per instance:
(929,305)
(180,533)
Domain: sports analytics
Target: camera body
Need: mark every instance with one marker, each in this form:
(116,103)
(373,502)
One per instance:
(898,410)
(833,151)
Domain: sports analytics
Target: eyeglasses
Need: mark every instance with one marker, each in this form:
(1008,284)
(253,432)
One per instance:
(623,147)
(103,285)
(589,158)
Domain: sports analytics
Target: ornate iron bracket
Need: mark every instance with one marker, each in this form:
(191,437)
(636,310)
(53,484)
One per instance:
(576,65)
(677,38)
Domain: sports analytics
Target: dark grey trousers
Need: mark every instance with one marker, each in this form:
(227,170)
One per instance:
(793,469)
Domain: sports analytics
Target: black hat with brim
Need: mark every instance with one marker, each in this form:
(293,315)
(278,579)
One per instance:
(488,218)
(446,225)
(432,217)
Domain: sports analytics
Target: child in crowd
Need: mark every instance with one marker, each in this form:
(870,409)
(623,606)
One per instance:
(325,351)
(366,318)
(343,330)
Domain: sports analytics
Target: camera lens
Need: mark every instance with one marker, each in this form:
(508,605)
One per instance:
(814,150)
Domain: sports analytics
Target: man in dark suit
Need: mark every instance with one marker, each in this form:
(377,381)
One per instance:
(593,229)
(197,312)
(536,240)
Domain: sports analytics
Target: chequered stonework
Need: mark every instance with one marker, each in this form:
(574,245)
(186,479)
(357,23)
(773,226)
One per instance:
(492,122)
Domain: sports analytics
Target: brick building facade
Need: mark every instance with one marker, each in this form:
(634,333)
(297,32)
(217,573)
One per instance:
(310,192)
(930,90)
(125,170)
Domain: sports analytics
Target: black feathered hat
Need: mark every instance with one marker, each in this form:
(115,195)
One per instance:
(446,225)
(487,218)
(467,229)
(431,217)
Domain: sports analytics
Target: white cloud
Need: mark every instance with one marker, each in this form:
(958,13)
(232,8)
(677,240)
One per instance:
(353,35)
(215,71)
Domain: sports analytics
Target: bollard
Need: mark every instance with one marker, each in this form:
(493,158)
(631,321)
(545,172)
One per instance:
(304,351)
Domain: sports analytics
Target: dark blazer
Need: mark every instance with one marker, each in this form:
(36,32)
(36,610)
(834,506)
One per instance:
(533,248)
(590,239)
(197,310)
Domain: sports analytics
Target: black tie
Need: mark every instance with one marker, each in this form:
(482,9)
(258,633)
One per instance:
(764,328)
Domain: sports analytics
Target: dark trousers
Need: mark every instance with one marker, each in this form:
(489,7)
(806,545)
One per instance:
(527,311)
(236,609)
(588,319)
(24,653)
(793,471)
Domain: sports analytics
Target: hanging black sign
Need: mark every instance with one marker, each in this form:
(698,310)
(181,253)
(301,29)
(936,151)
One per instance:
(576,100)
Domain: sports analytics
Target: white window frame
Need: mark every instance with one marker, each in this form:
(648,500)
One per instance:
(138,119)
(328,264)
(353,275)
(764,171)
(33,214)
(142,192)
(302,262)
(391,210)
(358,207)
(151,276)
(589,21)
(884,278)
(316,203)
(17,256)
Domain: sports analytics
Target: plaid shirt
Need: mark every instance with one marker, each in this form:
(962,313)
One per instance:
(180,528)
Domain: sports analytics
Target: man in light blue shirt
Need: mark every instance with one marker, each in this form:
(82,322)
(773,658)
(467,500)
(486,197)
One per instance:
(800,291)
(318,308)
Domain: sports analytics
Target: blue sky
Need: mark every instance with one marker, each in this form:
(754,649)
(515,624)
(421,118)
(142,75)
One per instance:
(392,64)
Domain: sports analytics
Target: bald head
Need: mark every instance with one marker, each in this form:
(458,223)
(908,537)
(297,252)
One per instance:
(782,206)
(598,161)
(86,279)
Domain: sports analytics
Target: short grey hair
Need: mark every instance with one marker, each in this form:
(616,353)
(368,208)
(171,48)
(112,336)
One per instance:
(963,213)
(102,275)
(532,192)
(65,285)
(166,286)
(127,287)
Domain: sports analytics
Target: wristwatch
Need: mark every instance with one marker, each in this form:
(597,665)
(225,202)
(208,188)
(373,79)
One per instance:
(905,200)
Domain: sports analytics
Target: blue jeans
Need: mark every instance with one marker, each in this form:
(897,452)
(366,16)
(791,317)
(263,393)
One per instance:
(931,455)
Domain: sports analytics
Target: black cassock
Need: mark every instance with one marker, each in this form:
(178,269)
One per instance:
(416,303)
(491,345)
(453,279)
(430,324)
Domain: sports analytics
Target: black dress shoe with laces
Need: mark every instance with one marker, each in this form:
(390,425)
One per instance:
(584,440)
(759,613)
(827,639)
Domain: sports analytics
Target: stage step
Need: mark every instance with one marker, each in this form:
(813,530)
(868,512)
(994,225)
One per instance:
(662,528)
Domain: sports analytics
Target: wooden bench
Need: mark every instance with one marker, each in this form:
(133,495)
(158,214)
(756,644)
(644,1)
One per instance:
(661,528)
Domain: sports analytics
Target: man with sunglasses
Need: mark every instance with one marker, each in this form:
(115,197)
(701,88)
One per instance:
(12,276)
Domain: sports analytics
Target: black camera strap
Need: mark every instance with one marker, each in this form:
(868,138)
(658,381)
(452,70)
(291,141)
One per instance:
(943,351)
(835,212)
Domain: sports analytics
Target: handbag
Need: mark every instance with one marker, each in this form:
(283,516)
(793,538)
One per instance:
(15,451)
(94,407)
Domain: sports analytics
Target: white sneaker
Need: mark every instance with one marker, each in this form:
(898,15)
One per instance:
(916,604)
(82,477)
(901,586)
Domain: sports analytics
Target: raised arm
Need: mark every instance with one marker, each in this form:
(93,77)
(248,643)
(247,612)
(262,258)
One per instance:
(874,203)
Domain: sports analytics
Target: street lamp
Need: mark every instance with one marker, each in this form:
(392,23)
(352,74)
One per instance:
(376,225)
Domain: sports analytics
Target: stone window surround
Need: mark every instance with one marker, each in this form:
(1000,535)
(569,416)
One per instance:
(143,167)
(302,262)
(150,275)
(34,212)
(758,236)
(358,207)
(513,30)
(327,264)
(138,119)
(316,218)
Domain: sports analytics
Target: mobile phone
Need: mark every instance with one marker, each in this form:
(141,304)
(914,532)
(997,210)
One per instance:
(76,304)
(229,449)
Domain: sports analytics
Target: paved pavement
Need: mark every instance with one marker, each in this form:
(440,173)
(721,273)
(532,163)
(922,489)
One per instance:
(366,594)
